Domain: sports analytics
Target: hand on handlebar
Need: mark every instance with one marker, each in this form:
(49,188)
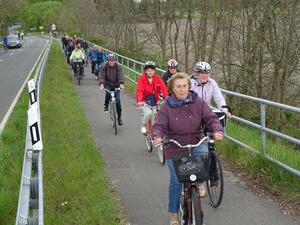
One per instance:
(218,136)
(140,103)
(101,87)
(228,115)
(157,141)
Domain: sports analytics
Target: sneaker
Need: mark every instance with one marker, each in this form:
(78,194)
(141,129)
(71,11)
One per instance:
(105,108)
(202,190)
(143,130)
(120,122)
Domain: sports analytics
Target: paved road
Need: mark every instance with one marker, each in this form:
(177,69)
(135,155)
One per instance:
(141,182)
(15,66)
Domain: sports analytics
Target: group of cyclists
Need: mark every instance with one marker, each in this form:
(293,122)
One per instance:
(185,112)
(183,115)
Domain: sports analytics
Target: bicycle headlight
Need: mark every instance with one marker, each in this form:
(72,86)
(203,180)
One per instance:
(193,177)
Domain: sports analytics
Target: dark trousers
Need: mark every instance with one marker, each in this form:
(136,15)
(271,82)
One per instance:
(118,99)
(95,66)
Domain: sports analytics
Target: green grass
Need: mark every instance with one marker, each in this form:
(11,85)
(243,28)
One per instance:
(12,145)
(258,166)
(73,169)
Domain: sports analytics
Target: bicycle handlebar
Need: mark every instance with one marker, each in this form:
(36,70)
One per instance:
(116,89)
(167,141)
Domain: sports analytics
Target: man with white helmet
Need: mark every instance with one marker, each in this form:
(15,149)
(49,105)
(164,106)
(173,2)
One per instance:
(172,69)
(206,87)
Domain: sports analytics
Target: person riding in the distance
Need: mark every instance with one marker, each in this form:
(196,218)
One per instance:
(111,77)
(172,69)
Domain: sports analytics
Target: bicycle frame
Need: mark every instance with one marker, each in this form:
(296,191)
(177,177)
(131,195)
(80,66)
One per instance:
(113,108)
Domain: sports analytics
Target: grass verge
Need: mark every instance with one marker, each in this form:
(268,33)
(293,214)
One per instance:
(75,183)
(12,145)
(278,180)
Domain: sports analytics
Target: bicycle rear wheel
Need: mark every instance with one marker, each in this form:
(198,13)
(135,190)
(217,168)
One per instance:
(197,214)
(215,184)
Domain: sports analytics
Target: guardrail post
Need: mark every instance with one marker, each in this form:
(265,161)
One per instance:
(128,71)
(134,68)
(263,126)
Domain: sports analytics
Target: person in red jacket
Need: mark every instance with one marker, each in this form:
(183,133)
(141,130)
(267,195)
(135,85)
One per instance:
(149,87)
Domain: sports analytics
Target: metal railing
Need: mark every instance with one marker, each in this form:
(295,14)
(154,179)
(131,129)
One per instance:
(31,207)
(134,68)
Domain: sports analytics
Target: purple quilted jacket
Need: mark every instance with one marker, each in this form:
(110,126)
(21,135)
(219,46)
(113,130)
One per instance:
(184,123)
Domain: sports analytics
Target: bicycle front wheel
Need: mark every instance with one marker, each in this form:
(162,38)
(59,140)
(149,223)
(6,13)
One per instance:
(196,211)
(160,152)
(215,184)
(148,141)
(114,117)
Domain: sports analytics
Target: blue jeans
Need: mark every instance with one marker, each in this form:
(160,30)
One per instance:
(118,100)
(174,186)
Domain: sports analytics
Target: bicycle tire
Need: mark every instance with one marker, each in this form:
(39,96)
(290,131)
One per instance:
(197,214)
(161,155)
(114,116)
(215,186)
(78,79)
(148,141)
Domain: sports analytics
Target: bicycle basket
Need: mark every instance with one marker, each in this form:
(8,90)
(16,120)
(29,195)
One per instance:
(191,168)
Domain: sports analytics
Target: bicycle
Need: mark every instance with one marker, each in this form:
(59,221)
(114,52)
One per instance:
(78,70)
(191,170)
(113,108)
(148,135)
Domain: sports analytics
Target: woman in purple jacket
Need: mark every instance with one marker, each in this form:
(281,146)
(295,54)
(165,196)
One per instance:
(181,117)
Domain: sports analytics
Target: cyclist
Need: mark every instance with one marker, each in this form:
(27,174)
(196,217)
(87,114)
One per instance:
(93,55)
(111,77)
(149,87)
(181,117)
(5,42)
(78,56)
(206,87)
(172,69)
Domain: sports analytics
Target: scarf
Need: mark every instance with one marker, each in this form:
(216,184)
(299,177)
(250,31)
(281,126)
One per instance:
(175,103)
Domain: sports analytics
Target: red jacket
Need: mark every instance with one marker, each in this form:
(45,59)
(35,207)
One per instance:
(144,88)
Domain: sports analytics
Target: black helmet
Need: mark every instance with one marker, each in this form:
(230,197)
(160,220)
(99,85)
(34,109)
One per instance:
(149,64)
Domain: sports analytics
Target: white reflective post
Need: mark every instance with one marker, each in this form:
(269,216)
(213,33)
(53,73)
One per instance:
(34,127)
(32,92)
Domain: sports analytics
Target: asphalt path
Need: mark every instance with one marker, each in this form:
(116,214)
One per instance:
(15,66)
(141,183)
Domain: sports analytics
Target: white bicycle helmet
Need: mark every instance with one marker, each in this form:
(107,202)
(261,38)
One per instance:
(202,67)
(172,63)
(149,64)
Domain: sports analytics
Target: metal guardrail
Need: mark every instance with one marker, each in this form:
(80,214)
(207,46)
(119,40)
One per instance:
(31,207)
(136,67)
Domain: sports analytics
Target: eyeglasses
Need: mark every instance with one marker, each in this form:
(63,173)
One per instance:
(202,72)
